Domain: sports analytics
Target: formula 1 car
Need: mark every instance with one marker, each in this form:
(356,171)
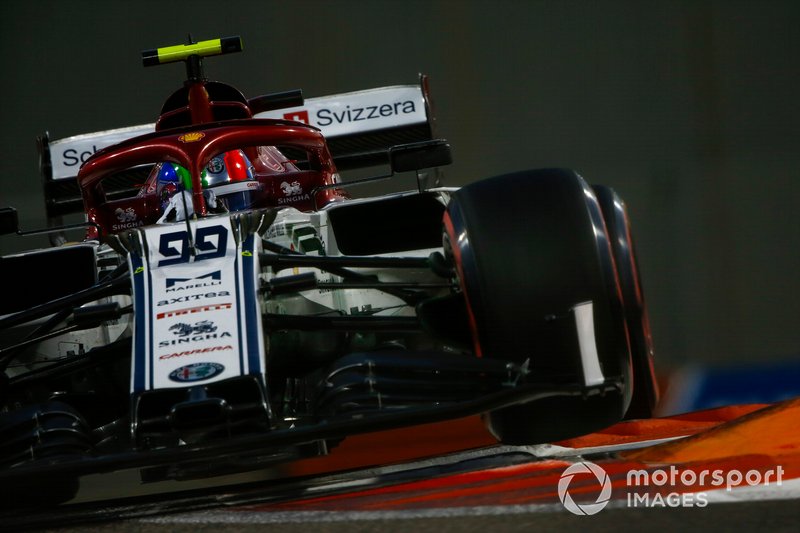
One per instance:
(232,306)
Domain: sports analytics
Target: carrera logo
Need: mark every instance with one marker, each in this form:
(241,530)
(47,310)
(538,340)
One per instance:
(196,352)
(298,116)
(191,137)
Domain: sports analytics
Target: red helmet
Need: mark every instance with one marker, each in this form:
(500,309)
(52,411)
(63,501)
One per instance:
(230,177)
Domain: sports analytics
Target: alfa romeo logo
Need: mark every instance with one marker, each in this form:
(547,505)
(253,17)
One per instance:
(196,372)
(584,467)
(216,165)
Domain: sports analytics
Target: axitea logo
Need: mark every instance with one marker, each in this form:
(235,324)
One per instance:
(584,509)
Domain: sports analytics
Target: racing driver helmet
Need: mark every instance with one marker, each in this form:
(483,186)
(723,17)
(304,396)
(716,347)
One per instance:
(230,178)
(171,178)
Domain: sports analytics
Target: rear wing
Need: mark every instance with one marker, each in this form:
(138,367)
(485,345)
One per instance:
(359,127)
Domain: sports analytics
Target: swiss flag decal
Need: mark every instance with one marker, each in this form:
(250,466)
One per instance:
(297,116)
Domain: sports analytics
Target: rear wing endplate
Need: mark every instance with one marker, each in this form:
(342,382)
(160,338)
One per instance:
(359,127)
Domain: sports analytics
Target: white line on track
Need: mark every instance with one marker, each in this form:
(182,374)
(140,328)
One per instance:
(789,489)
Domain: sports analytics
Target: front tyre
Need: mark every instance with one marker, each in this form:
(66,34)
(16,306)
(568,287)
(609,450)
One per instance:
(645,386)
(529,247)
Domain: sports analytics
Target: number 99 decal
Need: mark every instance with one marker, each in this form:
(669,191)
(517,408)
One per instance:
(209,242)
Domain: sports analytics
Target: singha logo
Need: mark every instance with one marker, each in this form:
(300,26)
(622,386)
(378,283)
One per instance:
(291,189)
(182,329)
(128,215)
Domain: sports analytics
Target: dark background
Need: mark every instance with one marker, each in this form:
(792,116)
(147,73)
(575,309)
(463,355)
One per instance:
(688,108)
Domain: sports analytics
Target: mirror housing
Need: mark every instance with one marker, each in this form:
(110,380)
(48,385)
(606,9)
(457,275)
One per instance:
(403,158)
(9,221)
(416,156)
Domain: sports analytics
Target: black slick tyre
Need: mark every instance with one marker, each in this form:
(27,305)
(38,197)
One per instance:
(528,248)
(645,386)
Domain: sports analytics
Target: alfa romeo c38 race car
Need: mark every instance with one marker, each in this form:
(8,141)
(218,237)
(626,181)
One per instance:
(231,306)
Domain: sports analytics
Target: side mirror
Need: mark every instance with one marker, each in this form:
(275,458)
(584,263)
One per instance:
(416,156)
(9,222)
(269,102)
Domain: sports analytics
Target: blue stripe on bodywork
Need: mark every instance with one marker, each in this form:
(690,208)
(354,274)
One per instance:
(238,311)
(139,321)
(251,304)
(149,318)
